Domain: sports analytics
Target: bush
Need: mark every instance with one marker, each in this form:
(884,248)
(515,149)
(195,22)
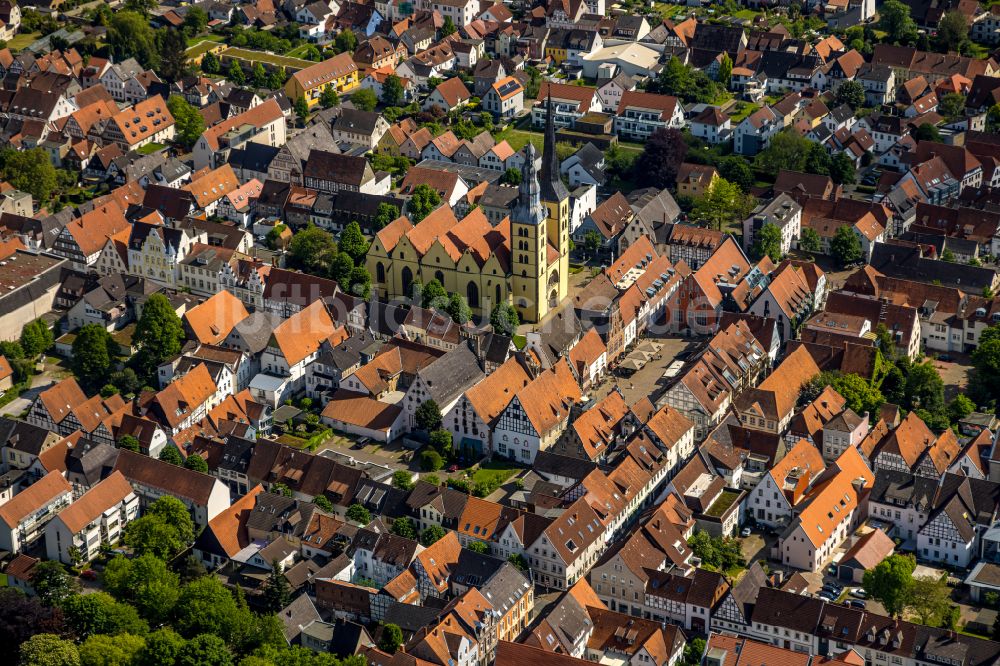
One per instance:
(431,461)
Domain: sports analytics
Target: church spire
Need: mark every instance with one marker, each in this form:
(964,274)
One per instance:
(552,185)
(529,204)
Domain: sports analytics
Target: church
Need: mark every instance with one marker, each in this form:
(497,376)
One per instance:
(523,260)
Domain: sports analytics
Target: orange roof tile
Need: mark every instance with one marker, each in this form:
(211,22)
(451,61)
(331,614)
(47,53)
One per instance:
(492,395)
(89,507)
(301,334)
(212,320)
(33,498)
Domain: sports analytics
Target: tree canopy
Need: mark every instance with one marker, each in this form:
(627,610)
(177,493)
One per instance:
(767,242)
(661,158)
(159,333)
(889,582)
(846,246)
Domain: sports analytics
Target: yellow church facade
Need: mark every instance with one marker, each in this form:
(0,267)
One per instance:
(523,261)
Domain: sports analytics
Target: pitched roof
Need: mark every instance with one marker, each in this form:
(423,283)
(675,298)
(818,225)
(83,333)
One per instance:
(184,395)
(546,401)
(61,399)
(89,507)
(258,116)
(212,320)
(776,396)
(33,498)
(302,334)
(178,481)
(143,120)
(323,72)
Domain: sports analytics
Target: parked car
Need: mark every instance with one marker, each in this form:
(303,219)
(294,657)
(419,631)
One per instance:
(89,574)
(857,603)
(453,468)
(859,592)
(745,532)
(826,595)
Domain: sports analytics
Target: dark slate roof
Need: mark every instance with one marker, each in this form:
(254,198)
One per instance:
(785,609)
(252,157)
(21,436)
(547,462)
(356,121)
(297,615)
(905,262)
(256,329)
(450,375)
(423,493)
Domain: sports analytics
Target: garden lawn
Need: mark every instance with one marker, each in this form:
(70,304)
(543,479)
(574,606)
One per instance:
(495,470)
(250,55)
(23,40)
(209,37)
(151,148)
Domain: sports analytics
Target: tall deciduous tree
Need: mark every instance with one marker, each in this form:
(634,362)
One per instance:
(392,90)
(51,582)
(851,93)
(422,202)
(504,319)
(889,582)
(428,416)
(159,333)
(661,158)
(312,249)
(354,243)
(953,31)
(723,203)
(767,242)
(188,123)
(809,240)
(895,19)
(130,36)
(91,360)
(146,582)
(364,99)
(36,338)
(49,650)
(845,246)
(391,638)
(30,171)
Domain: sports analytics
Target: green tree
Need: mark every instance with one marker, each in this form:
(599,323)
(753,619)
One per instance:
(195,20)
(161,649)
(392,90)
(592,242)
(235,73)
(120,650)
(787,150)
(281,489)
(159,333)
(517,559)
(36,338)
(859,394)
(737,171)
(323,503)
(895,19)
(480,547)
(431,460)
(928,599)
(851,93)
(661,158)
(842,169)
(402,479)
(197,463)
(725,74)
(341,267)
(206,606)
(404,527)
(276,593)
(100,613)
(504,319)
(953,31)
(511,176)
(51,582)
(441,441)
(359,514)
(952,105)
(960,407)
(49,650)
(458,309)
(312,250)
(210,63)
(30,171)
(126,381)
(845,246)
(171,455)
(422,202)
(889,582)
(329,97)
(129,443)
(205,649)
(165,529)
(354,243)
(386,214)
(693,651)
(364,99)
(346,41)
(258,75)
(146,582)
(301,108)
(171,45)
(448,27)
(817,160)
(767,242)
(722,204)
(434,296)
(428,416)
(361,282)
(91,359)
(924,388)
(130,36)
(927,132)
(809,240)
(391,638)
(188,123)
(431,535)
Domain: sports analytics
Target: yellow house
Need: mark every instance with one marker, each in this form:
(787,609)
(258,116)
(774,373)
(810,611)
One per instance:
(523,261)
(693,180)
(339,72)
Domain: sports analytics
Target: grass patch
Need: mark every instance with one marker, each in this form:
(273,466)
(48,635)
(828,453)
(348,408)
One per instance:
(745,109)
(293,440)
(299,51)
(721,505)
(249,55)
(575,268)
(518,139)
(23,40)
(209,37)
(965,630)
(497,471)
(151,148)
(520,341)
(199,49)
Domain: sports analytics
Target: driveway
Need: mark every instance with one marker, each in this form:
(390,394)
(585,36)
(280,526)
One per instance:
(18,405)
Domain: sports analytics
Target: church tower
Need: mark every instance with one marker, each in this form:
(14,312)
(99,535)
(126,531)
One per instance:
(555,198)
(528,244)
